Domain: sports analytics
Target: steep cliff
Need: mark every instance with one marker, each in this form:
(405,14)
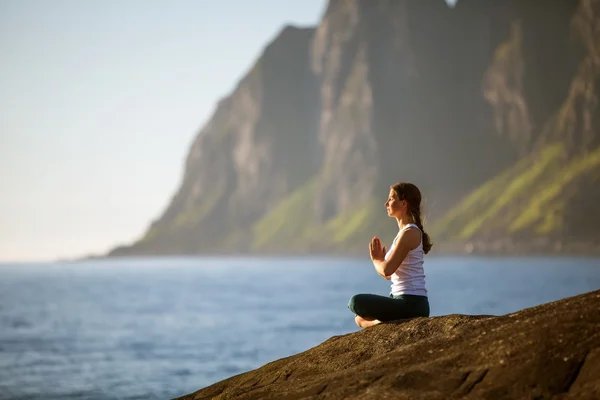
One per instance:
(252,152)
(299,157)
(548,201)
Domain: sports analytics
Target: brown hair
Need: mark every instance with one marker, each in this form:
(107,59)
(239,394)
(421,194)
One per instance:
(412,195)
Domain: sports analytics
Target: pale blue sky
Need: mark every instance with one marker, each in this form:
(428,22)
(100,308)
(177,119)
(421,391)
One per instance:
(99,102)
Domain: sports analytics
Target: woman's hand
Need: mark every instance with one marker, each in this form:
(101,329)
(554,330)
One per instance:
(376,251)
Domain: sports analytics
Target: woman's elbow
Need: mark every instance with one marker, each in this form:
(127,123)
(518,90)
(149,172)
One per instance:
(389,270)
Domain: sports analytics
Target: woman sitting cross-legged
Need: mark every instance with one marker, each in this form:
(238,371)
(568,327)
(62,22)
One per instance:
(402,264)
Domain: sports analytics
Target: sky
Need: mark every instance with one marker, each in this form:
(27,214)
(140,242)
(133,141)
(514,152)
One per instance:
(99,103)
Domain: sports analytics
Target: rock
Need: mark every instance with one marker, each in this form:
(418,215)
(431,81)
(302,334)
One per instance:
(548,351)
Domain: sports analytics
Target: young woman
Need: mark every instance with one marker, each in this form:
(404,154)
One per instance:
(402,264)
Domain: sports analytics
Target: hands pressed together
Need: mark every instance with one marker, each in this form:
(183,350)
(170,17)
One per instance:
(376,250)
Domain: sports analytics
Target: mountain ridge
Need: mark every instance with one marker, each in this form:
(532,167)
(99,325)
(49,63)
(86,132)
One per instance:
(299,157)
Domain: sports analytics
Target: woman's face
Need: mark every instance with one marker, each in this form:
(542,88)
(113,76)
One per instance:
(394,206)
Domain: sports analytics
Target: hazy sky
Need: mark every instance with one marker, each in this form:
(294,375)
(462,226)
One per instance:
(99,102)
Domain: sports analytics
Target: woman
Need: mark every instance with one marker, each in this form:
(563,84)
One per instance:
(403,264)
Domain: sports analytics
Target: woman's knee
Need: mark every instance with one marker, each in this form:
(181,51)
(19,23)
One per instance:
(356,304)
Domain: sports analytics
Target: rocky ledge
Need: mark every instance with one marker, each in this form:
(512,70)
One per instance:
(543,352)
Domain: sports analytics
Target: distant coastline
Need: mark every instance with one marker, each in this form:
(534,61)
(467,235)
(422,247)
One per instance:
(498,248)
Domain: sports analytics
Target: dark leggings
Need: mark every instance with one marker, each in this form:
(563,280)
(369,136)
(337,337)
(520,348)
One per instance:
(382,308)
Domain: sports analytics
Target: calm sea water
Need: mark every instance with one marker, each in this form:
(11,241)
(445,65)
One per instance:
(164,327)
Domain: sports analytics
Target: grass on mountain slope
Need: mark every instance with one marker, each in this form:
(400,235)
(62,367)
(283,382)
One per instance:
(524,198)
(196,214)
(190,217)
(547,205)
(291,225)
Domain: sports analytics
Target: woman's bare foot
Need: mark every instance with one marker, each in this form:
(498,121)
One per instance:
(365,322)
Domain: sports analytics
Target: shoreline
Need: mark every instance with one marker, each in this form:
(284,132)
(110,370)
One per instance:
(445,250)
(498,249)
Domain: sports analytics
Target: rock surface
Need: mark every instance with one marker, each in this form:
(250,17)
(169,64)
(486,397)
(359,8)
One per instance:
(548,351)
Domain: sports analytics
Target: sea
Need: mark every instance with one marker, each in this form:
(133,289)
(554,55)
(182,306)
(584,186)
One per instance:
(158,328)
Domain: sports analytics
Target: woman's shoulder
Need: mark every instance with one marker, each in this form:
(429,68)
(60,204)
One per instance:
(411,226)
(410,236)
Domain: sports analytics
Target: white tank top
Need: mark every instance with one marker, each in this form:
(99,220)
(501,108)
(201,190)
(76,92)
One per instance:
(409,278)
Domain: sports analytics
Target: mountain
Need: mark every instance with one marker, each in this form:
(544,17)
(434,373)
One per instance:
(489,107)
(548,200)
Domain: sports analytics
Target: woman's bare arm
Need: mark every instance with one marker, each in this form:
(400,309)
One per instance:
(408,240)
